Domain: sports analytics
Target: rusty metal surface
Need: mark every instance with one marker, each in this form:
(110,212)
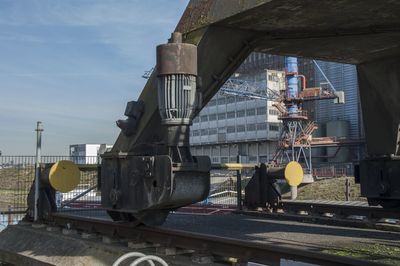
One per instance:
(354,214)
(139,184)
(345,31)
(177,58)
(202,13)
(341,210)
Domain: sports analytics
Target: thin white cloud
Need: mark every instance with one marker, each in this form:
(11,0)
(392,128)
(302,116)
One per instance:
(90,13)
(48,70)
(125,25)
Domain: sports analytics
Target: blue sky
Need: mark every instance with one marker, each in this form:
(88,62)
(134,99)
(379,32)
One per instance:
(73,65)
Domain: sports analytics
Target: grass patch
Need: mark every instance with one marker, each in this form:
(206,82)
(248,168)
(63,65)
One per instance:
(380,253)
(330,189)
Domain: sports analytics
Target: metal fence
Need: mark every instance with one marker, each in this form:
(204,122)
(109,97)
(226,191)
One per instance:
(224,187)
(333,170)
(17,174)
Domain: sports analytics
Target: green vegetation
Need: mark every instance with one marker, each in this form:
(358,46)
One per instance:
(14,186)
(330,189)
(16,182)
(16,178)
(380,253)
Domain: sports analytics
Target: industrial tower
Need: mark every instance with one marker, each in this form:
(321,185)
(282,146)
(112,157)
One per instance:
(283,89)
(296,135)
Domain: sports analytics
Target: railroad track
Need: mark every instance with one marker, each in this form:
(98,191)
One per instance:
(202,244)
(339,213)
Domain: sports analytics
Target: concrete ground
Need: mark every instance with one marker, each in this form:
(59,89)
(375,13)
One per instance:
(375,245)
(23,245)
(370,244)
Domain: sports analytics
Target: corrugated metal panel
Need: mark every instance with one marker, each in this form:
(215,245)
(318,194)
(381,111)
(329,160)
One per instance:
(343,77)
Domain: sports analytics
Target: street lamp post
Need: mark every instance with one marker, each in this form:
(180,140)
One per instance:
(39,130)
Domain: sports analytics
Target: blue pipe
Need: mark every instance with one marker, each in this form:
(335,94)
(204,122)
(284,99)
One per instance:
(293,84)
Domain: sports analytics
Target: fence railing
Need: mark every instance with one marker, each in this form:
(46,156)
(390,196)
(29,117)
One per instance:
(334,170)
(17,174)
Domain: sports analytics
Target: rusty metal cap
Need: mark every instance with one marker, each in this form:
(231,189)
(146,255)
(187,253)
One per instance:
(176,57)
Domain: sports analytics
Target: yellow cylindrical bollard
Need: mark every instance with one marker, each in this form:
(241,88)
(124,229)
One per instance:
(294,176)
(63,176)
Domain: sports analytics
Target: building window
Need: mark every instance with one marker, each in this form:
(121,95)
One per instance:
(221,116)
(212,117)
(230,129)
(212,131)
(261,126)
(215,159)
(212,102)
(251,127)
(204,132)
(230,115)
(195,133)
(240,128)
(224,159)
(274,127)
(204,118)
(261,110)
(241,113)
(252,159)
(273,112)
(196,119)
(251,112)
(230,99)
(221,100)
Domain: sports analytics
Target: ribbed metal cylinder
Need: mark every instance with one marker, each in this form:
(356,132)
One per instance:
(177,98)
(177,71)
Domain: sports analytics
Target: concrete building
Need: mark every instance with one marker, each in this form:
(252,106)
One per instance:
(231,125)
(87,153)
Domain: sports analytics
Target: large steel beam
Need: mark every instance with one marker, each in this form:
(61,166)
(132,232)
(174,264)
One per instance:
(379,83)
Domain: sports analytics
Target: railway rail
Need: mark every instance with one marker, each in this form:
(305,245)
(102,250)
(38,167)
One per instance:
(340,213)
(243,251)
